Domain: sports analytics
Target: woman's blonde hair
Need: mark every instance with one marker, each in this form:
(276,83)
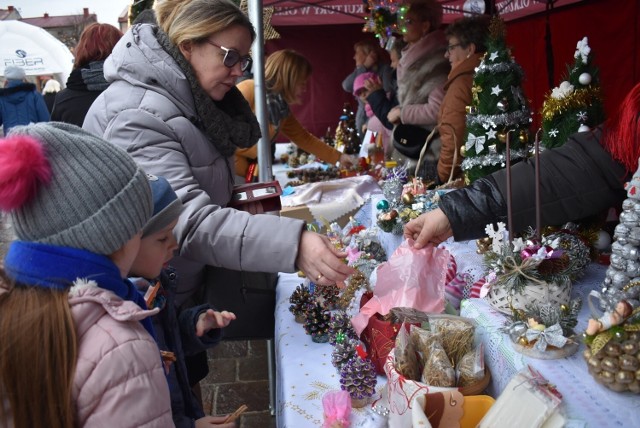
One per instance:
(284,71)
(197,20)
(427,10)
(38,354)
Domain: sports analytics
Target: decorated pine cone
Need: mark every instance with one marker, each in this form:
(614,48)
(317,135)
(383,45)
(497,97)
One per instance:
(299,300)
(343,352)
(327,295)
(358,377)
(316,323)
(340,328)
(616,365)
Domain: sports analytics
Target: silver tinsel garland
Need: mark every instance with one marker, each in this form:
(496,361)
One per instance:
(492,159)
(522,117)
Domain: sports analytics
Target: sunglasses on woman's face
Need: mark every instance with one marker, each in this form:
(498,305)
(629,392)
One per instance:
(232,57)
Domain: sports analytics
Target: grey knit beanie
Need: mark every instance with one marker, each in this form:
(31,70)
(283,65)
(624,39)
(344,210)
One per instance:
(97,198)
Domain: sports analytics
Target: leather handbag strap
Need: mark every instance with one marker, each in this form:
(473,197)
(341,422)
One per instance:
(435,131)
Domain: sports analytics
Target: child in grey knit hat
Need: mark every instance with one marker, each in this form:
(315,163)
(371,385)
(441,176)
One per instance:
(75,331)
(178,332)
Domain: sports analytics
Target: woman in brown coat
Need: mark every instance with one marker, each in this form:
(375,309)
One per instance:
(466,46)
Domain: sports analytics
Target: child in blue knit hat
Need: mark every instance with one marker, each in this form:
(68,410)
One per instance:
(179,333)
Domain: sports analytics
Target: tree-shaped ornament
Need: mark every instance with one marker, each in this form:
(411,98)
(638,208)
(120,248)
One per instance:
(343,352)
(340,327)
(316,322)
(358,377)
(300,299)
(576,104)
(499,110)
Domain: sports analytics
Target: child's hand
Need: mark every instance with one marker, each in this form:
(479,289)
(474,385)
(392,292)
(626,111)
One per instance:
(214,421)
(213,319)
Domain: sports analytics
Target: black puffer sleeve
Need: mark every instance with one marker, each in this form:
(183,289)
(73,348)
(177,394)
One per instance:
(470,209)
(577,180)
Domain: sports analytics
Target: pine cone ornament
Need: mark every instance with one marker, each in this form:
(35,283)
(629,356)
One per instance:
(299,300)
(343,352)
(327,295)
(340,328)
(316,323)
(358,377)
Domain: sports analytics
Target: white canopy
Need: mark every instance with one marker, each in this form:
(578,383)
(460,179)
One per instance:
(34,50)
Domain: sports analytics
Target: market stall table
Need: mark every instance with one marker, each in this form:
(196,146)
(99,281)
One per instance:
(305,372)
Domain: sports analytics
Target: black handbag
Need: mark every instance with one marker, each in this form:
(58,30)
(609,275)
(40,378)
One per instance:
(409,139)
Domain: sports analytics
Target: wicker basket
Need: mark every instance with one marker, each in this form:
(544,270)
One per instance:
(503,301)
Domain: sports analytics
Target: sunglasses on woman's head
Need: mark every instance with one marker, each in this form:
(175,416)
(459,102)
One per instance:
(232,57)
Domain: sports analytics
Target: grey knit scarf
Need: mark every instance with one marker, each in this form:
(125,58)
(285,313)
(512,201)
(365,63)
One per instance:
(229,123)
(93,76)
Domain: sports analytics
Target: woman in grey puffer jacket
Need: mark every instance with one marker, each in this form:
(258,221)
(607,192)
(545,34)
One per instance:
(173,105)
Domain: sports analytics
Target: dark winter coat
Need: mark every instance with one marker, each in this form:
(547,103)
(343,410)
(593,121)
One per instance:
(577,180)
(49,100)
(176,332)
(381,104)
(83,87)
(21,104)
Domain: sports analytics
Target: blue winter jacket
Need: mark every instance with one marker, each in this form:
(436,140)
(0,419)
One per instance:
(21,104)
(176,332)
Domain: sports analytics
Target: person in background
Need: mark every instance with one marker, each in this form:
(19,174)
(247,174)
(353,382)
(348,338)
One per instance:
(86,81)
(582,178)
(174,107)
(20,102)
(75,333)
(178,333)
(368,58)
(49,92)
(422,73)
(286,74)
(381,102)
(466,46)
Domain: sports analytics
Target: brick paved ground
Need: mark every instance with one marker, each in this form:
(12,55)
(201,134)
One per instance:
(238,371)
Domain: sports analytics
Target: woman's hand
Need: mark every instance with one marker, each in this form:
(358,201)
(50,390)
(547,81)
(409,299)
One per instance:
(431,227)
(346,161)
(394,115)
(320,261)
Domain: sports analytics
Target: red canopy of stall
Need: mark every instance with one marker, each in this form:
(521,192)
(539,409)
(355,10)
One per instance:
(325,31)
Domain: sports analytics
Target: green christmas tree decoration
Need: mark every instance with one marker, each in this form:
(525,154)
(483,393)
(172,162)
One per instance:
(576,104)
(499,110)
(316,322)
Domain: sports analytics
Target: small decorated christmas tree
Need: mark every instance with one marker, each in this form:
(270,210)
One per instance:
(499,110)
(358,377)
(300,299)
(576,104)
(316,322)
(343,352)
(346,138)
(340,328)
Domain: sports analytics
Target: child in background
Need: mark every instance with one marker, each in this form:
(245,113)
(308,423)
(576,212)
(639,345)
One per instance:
(178,333)
(77,347)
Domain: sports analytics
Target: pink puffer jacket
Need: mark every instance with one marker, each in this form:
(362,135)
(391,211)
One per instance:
(119,380)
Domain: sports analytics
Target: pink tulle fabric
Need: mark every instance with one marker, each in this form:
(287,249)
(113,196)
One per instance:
(23,169)
(337,409)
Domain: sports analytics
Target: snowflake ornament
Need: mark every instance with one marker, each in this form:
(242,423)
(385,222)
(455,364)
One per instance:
(582,50)
(554,132)
(497,236)
(496,90)
(581,116)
